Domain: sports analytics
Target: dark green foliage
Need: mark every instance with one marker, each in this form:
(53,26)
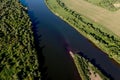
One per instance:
(16,43)
(84,66)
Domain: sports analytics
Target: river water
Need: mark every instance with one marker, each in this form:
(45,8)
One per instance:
(56,37)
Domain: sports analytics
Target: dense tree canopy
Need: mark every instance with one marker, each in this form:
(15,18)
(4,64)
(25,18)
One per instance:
(18,57)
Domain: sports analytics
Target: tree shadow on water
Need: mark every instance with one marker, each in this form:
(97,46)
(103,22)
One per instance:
(39,49)
(93,61)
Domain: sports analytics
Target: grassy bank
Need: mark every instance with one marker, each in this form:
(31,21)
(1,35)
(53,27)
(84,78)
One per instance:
(18,57)
(100,36)
(86,70)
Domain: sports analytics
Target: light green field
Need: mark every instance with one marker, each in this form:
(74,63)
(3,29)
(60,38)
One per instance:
(94,1)
(110,20)
(111,5)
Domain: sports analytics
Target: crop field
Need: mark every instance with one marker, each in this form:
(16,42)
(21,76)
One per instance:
(109,19)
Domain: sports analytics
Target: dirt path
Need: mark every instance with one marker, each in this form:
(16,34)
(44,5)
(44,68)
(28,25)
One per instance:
(110,20)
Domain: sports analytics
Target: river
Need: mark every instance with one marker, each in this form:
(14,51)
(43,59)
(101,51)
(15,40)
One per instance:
(56,37)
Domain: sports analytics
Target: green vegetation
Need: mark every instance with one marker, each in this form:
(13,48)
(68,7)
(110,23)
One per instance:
(108,4)
(85,67)
(100,36)
(18,57)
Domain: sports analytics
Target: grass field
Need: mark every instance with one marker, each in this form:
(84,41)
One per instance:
(111,20)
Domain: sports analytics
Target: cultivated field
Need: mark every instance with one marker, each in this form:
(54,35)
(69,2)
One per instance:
(110,20)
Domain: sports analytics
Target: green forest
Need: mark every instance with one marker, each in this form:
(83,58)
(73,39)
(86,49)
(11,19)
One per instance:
(18,57)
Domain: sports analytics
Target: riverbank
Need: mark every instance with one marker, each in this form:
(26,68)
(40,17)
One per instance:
(18,56)
(96,33)
(86,70)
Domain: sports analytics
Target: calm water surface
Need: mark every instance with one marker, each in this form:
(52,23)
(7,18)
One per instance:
(56,36)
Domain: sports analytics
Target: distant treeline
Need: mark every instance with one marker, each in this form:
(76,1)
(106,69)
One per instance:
(18,57)
(108,4)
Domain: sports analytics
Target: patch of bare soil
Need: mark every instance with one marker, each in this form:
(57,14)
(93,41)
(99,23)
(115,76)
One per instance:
(94,76)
